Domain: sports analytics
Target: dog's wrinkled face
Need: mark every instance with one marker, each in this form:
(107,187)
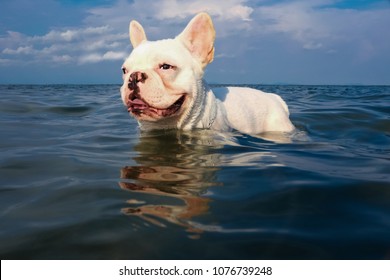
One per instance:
(157,80)
(159,77)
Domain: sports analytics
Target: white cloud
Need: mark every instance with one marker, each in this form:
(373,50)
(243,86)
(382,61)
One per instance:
(312,46)
(4,61)
(122,11)
(316,25)
(223,10)
(20,50)
(229,16)
(98,57)
(300,20)
(81,45)
(62,58)
(91,58)
(72,34)
(110,55)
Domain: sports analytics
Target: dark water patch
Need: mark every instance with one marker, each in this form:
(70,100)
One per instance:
(79,110)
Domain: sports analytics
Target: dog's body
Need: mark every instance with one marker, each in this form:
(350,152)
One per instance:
(164,88)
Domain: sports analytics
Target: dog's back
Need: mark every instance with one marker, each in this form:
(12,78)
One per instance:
(253,111)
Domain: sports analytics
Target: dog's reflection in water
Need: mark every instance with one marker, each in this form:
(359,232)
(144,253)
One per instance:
(189,206)
(177,170)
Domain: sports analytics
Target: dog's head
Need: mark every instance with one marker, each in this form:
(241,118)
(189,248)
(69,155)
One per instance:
(160,77)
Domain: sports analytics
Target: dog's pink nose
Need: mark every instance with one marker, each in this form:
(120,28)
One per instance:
(135,78)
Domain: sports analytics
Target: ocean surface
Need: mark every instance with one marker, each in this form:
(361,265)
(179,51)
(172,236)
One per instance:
(80,181)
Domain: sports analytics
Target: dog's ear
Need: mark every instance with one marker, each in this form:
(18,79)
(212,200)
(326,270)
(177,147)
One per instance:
(137,33)
(198,37)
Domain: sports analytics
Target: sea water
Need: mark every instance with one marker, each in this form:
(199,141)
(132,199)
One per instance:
(80,181)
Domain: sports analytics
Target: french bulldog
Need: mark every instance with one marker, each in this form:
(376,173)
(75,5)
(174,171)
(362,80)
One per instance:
(163,87)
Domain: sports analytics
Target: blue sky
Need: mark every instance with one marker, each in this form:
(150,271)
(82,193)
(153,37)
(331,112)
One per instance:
(263,41)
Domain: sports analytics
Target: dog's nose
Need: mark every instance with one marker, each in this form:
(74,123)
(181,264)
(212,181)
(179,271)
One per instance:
(135,78)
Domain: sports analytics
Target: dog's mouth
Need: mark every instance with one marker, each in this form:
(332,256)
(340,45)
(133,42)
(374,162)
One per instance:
(138,107)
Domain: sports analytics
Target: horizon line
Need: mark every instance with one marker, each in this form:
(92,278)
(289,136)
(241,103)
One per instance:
(211,84)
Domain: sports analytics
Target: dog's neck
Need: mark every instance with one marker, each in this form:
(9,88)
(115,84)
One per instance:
(203,108)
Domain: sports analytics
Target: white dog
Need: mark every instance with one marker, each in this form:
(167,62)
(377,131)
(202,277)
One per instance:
(164,88)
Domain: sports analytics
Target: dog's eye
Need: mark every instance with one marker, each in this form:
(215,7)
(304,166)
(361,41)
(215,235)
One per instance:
(124,70)
(166,66)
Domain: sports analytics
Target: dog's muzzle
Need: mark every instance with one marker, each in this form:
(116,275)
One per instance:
(138,106)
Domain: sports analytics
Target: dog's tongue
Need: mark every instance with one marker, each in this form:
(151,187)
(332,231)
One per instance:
(137,104)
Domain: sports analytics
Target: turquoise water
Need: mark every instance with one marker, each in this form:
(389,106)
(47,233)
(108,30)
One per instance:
(79,180)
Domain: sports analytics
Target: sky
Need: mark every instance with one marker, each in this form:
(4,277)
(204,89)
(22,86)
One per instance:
(257,41)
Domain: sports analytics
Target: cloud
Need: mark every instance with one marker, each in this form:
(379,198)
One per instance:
(62,58)
(72,34)
(167,18)
(96,57)
(4,61)
(298,19)
(313,24)
(317,24)
(19,50)
(176,10)
(81,45)
(222,10)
